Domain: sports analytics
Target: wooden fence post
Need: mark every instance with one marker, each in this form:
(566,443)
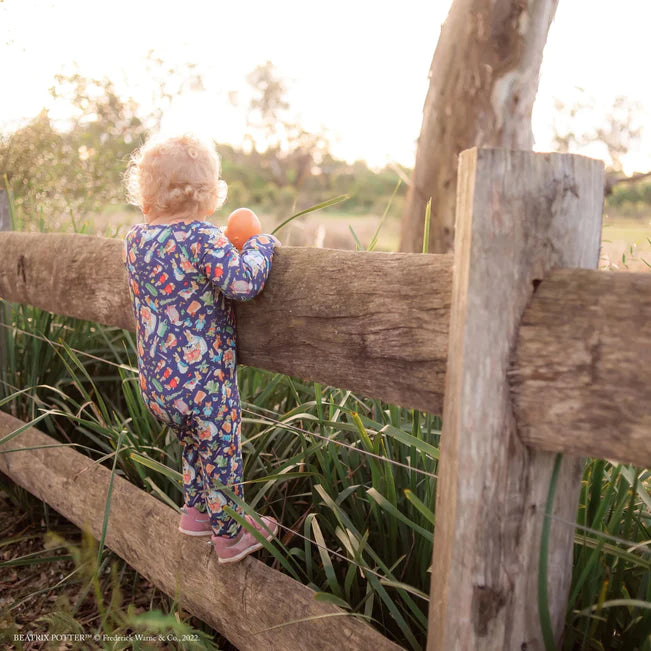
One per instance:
(5,225)
(518,215)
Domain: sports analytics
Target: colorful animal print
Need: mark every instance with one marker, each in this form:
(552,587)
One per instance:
(182,278)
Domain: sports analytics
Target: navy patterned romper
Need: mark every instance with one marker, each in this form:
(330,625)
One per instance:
(182,277)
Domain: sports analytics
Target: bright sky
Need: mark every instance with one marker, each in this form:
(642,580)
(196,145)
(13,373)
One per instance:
(357,68)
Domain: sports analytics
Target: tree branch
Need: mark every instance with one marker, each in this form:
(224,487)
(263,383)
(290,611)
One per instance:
(611,182)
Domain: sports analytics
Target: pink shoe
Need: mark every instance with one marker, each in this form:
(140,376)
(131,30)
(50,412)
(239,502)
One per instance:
(194,523)
(231,550)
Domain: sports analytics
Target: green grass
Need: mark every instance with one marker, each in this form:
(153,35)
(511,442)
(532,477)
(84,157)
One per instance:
(631,231)
(626,244)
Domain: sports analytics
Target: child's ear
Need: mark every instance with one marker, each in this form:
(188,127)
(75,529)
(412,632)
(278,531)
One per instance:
(146,208)
(212,205)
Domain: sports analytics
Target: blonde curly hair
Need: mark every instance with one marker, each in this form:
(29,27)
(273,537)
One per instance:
(177,175)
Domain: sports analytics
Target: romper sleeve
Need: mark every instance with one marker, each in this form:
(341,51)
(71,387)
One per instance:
(125,247)
(239,276)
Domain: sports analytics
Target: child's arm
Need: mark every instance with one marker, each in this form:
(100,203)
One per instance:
(239,276)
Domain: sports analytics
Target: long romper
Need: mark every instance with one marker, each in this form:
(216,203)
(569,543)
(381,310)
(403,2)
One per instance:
(182,277)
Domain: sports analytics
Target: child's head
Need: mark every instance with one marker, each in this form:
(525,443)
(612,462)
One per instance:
(177,176)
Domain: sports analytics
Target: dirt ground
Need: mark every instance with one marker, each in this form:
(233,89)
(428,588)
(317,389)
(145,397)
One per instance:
(42,596)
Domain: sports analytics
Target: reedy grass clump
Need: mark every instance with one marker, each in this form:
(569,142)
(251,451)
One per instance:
(610,596)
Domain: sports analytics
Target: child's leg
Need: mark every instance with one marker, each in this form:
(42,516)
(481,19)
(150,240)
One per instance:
(193,478)
(221,459)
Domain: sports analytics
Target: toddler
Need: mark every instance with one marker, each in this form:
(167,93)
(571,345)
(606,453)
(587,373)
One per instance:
(183,275)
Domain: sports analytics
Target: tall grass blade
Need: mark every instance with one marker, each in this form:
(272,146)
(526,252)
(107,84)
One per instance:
(373,243)
(24,427)
(109,494)
(410,440)
(358,244)
(325,559)
(406,587)
(615,603)
(319,206)
(422,508)
(396,513)
(428,216)
(161,468)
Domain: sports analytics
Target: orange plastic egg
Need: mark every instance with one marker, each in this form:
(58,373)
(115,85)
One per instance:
(242,224)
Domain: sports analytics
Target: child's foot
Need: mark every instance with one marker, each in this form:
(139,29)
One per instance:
(231,550)
(194,522)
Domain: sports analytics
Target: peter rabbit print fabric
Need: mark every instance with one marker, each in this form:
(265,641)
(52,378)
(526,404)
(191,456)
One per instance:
(182,279)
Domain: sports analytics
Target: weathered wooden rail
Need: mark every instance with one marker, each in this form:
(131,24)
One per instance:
(543,354)
(356,320)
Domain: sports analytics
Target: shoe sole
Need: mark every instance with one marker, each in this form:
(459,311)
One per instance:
(241,555)
(248,551)
(187,532)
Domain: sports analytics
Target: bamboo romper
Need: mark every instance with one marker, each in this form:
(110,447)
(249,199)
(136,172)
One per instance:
(182,277)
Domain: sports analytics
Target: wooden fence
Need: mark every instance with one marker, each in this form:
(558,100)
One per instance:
(526,347)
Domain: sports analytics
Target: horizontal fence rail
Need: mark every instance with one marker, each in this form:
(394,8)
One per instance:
(374,323)
(581,378)
(234,599)
(377,324)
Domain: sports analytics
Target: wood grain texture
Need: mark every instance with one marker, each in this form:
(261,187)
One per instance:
(518,215)
(360,321)
(239,600)
(581,377)
(76,275)
(376,323)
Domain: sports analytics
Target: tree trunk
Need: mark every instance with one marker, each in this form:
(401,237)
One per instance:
(483,83)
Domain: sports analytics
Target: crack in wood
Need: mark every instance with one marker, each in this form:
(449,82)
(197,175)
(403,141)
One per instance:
(20,269)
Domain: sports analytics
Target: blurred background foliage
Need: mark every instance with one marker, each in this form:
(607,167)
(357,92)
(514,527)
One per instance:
(75,169)
(60,172)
